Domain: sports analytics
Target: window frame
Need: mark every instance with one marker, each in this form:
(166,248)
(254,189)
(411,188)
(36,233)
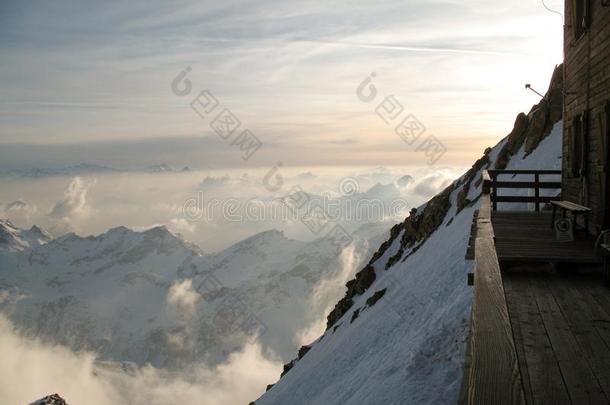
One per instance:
(581,15)
(580,128)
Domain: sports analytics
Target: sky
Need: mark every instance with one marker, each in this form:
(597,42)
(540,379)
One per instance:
(92,81)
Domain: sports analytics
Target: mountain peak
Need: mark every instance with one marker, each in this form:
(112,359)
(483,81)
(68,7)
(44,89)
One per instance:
(54,399)
(118,230)
(271,237)
(270,234)
(14,239)
(37,231)
(161,168)
(161,231)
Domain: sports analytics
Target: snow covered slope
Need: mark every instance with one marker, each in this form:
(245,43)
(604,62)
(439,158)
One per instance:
(398,336)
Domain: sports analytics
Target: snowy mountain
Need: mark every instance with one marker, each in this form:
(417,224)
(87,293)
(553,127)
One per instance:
(13,239)
(81,169)
(160,168)
(399,333)
(85,169)
(152,297)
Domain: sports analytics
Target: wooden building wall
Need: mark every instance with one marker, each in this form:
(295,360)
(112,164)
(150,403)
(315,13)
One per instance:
(587,91)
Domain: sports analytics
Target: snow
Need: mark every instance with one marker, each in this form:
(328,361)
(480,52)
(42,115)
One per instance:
(409,347)
(547,156)
(13,239)
(152,297)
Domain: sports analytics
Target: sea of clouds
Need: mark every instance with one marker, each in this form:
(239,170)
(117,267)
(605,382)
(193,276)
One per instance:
(214,209)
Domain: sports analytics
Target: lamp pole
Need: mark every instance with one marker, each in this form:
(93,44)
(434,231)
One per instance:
(529,87)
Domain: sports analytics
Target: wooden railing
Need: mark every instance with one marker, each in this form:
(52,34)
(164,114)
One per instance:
(491,372)
(491,185)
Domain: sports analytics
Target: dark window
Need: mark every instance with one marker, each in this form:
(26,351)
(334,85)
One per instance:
(579,145)
(581,14)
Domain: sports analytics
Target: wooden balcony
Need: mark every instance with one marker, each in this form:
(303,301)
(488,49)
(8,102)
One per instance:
(540,325)
(529,237)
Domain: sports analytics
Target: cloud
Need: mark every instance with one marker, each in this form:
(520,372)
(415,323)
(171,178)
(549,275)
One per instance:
(74,201)
(72,205)
(432,184)
(183,296)
(18,211)
(405,180)
(181,225)
(30,370)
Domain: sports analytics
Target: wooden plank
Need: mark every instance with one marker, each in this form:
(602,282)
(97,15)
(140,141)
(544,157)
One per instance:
(494,373)
(528,184)
(508,171)
(528,236)
(515,320)
(579,378)
(525,199)
(601,295)
(543,378)
(568,205)
(581,317)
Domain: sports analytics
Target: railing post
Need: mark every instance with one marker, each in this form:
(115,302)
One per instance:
(537,191)
(491,185)
(494,190)
(486,182)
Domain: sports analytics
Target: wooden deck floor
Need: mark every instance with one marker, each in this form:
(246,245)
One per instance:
(528,236)
(561,330)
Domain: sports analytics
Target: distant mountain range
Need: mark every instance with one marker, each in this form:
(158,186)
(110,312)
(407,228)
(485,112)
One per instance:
(82,169)
(152,297)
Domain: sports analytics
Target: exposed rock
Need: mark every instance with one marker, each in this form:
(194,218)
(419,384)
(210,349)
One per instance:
(372,300)
(54,399)
(303,351)
(546,113)
(339,310)
(287,367)
(394,232)
(362,281)
(419,228)
(514,141)
(462,197)
(355,315)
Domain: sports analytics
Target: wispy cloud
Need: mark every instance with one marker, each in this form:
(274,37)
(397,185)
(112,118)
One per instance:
(405,48)
(75,73)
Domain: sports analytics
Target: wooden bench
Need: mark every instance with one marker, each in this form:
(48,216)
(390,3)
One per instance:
(575,209)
